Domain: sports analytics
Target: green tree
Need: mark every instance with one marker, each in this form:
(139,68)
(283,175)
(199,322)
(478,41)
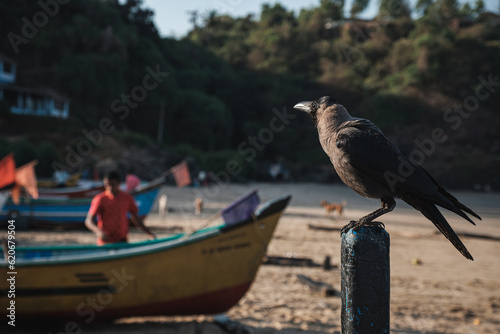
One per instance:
(358,6)
(394,9)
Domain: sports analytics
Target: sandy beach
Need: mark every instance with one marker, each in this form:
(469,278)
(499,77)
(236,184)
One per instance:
(444,293)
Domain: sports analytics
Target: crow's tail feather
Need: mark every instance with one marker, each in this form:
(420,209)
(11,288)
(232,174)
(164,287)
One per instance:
(455,205)
(431,212)
(459,205)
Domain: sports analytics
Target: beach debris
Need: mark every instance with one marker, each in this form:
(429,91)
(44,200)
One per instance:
(325,289)
(289,261)
(323,228)
(479,236)
(416,261)
(230,326)
(327,264)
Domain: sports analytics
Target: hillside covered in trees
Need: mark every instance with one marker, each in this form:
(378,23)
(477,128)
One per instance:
(227,88)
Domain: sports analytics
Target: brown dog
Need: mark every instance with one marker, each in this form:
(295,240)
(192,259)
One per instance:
(333,207)
(198,205)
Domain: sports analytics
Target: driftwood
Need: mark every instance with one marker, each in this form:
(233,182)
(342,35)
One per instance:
(479,236)
(290,261)
(323,228)
(326,290)
(230,326)
(409,234)
(334,229)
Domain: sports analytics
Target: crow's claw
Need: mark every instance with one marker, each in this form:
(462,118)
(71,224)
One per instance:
(357,224)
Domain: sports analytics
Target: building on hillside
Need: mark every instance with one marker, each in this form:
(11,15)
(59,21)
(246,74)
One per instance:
(24,100)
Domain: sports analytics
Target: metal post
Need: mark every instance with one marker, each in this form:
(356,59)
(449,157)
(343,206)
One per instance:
(365,281)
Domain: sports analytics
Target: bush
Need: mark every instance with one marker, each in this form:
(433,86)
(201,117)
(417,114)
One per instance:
(388,110)
(225,160)
(134,138)
(24,152)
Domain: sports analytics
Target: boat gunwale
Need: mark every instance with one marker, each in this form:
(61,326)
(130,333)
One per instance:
(270,208)
(151,186)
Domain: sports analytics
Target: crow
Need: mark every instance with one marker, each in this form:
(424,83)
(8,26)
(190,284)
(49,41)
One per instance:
(370,164)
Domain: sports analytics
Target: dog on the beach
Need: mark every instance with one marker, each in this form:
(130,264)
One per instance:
(333,207)
(198,205)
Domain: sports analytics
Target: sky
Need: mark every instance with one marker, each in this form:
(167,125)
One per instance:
(172,18)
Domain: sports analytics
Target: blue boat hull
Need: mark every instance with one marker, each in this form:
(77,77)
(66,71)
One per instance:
(67,210)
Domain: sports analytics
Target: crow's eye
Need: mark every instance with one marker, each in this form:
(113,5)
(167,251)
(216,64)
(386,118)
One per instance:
(315,106)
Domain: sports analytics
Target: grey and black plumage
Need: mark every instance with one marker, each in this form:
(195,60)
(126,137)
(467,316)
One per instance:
(370,164)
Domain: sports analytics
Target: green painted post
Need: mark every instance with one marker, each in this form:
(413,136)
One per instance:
(365,273)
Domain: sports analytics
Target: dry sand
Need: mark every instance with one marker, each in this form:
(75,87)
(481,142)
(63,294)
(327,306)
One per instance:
(444,294)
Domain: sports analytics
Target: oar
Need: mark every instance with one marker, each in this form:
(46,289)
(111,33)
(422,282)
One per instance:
(207,222)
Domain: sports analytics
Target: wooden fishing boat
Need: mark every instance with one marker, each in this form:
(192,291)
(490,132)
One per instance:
(72,181)
(71,210)
(82,191)
(205,272)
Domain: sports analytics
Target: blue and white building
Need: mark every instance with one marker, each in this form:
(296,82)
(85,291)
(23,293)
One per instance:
(26,100)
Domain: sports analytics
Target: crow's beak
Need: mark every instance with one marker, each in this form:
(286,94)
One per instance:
(303,106)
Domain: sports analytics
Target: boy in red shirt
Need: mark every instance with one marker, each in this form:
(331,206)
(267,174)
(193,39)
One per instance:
(111,208)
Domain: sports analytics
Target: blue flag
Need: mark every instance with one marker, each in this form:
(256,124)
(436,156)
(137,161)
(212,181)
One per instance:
(242,208)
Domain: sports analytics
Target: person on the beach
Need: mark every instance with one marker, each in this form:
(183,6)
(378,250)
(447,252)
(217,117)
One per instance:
(111,208)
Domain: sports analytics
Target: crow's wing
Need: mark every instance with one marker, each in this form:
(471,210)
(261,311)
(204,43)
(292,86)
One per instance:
(374,156)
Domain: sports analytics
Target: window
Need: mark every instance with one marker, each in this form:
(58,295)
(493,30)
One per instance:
(7,67)
(12,97)
(59,104)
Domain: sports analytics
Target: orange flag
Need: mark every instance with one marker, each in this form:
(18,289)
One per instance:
(25,177)
(7,170)
(181,174)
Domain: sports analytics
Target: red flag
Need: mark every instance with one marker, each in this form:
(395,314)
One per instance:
(131,182)
(181,174)
(7,170)
(25,177)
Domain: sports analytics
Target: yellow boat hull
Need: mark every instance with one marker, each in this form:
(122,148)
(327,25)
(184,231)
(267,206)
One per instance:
(205,273)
